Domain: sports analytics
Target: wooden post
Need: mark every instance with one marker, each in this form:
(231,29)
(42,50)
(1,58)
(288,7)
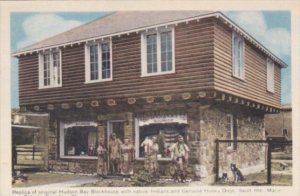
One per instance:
(217,160)
(33,150)
(269,162)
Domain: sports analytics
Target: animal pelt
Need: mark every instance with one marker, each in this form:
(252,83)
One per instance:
(237,174)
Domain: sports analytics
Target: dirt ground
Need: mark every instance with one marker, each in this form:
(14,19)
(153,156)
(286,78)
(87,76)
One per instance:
(41,178)
(260,179)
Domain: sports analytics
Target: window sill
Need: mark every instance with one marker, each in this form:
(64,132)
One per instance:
(97,81)
(159,159)
(46,87)
(239,78)
(80,157)
(271,92)
(158,73)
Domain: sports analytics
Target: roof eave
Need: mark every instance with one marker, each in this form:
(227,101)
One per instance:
(216,14)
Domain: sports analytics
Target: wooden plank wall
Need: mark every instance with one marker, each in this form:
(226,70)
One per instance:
(199,46)
(194,69)
(254,87)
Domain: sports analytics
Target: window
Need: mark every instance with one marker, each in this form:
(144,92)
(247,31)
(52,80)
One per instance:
(231,131)
(158,52)
(50,69)
(165,128)
(238,67)
(98,62)
(270,75)
(78,140)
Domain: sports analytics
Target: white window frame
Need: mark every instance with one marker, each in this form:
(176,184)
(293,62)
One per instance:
(238,68)
(87,62)
(182,119)
(62,139)
(270,75)
(158,32)
(230,145)
(41,69)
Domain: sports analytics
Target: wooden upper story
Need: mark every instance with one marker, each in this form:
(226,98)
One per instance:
(190,55)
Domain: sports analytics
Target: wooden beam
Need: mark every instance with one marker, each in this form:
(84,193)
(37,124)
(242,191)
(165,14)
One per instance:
(267,109)
(223,97)
(50,107)
(79,104)
(65,106)
(258,106)
(150,99)
(167,98)
(111,102)
(212,94)
(236,100)
(186,96)
(202,94)
(94,103)
(131,101)
(36,108)
(242,101)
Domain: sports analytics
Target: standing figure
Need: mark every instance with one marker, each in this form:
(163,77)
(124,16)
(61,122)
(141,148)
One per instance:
(114,154)
(179,154)
(127,158)
(102,159)
(151,150)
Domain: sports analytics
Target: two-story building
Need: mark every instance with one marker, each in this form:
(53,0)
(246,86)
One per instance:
(145,73)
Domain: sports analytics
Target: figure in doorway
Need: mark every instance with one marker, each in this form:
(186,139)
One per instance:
(127,159)
(102,159)
(179,154)
(114,154)
(151,151)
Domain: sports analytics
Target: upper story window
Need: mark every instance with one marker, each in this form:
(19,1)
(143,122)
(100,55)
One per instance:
(270,75)
(158,52)
(238,48)
(50,69)
(98,62)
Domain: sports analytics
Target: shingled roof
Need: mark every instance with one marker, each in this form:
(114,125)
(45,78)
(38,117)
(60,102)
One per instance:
(122,22)
(113,23)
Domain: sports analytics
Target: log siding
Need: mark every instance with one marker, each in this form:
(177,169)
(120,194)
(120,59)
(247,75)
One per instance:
(194,69)
(254,86)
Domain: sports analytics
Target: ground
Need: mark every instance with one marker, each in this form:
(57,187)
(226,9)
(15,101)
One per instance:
(260,179)
(45,179)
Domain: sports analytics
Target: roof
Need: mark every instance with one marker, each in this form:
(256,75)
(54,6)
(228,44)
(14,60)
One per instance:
(114,23)
(125,22)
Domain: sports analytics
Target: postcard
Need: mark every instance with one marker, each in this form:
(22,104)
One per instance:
(151,98)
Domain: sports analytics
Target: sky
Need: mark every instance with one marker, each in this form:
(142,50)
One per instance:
(271,28)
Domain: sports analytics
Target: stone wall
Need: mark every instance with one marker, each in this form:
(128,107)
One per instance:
(75,166)
(55,163)
(206,124)
(250,125)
